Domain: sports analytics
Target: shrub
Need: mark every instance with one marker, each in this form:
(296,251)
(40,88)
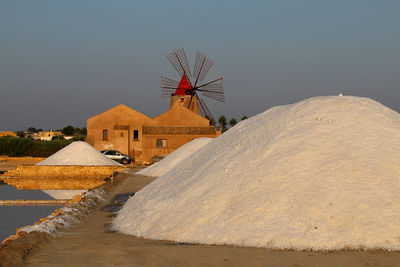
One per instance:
(19,147)
(68,130)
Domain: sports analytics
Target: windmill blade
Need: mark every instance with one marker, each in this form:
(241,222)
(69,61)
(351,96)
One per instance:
(204,111)
(216,96)
(179,61)
(168,86)
(189,103)
(201,67)
(213,90)
(168,83)
(214,81)
(167,92)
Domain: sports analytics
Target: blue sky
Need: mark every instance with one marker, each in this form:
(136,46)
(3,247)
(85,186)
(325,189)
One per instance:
(62,62)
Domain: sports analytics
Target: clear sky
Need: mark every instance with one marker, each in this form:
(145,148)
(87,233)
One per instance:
(62,62)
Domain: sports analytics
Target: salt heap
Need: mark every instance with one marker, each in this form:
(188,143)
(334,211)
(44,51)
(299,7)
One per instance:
(78,153)
(323,173)
(163,166)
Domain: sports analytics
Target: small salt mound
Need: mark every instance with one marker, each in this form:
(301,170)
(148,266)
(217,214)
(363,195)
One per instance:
(78,153)
(323,173)
(63,194)
(163,166)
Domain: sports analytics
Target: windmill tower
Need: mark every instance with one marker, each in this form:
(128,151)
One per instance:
(185,92)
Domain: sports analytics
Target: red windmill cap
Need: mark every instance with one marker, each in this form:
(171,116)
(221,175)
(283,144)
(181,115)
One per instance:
(183,86)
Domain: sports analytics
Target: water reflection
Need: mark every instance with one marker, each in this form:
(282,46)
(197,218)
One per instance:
(12,217)
(9,192)
(55,189)
(29,185)
(64,194)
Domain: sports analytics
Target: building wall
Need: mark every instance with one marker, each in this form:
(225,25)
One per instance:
(173,143)
(176,127)
(48,135)
(120,122)
(185,100)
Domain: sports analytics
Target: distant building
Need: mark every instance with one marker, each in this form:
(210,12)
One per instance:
(133,133)
(7,133)
(48,135)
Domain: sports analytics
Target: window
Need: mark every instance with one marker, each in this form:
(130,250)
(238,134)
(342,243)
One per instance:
(161,143)
(182,99)
(105,134)
(135,134)
(122,134)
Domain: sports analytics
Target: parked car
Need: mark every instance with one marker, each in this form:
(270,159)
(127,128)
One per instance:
(117,156)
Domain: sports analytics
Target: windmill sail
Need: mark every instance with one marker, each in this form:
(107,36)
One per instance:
(201,67)
(213,90)
(204,111)
(168,86)
(168,83)
(179,61)
(189,103)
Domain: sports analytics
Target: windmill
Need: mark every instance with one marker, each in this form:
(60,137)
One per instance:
(186,91)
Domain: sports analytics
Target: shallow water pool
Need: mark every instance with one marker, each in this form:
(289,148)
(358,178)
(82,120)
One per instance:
(12,217)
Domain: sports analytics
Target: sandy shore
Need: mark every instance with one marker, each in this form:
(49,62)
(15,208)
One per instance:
(91,243)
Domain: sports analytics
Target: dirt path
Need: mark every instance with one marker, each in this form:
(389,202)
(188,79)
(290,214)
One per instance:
(92,244)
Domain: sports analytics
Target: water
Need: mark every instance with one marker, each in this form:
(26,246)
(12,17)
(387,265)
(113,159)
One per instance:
(118,202)
(12,217)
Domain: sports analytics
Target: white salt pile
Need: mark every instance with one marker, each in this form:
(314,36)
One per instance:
(163,166)
(78,153)
(64,194)
(323,173)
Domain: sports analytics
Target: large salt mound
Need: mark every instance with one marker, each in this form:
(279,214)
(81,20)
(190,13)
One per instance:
(78,153)
(163,166)
(323,173)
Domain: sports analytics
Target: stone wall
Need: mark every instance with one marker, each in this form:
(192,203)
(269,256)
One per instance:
(59,177)
(20,159)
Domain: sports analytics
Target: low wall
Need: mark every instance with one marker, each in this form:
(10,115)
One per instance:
(48,184)
(58,177)
(21,159)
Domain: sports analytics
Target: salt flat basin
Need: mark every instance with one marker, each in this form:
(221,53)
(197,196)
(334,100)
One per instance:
(64,194)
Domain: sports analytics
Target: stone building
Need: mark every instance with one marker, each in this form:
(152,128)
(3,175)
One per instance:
(133,133)
(47,135)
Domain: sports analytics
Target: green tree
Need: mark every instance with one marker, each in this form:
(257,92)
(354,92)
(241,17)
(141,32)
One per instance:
(18,147)
(232,122)
(77,131)
(68,130)
(20,134)
(58,137)
(33,130)
(222,123)
(244,117)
